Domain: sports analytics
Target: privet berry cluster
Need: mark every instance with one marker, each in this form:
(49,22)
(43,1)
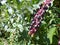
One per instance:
(38,17)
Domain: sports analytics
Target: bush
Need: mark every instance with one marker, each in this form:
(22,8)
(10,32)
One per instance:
(15,21)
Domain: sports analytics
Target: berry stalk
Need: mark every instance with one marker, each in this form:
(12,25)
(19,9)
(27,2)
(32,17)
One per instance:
(38,17)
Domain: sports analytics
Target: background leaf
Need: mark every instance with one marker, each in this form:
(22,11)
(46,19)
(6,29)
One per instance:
(51,33)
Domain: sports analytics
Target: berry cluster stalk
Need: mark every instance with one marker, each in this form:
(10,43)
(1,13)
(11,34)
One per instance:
(38,16)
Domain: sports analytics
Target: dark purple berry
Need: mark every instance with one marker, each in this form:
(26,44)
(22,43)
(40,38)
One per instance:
(49,4)
(36,27)
(45,8)
(41,5)
(39,18)
(37,9)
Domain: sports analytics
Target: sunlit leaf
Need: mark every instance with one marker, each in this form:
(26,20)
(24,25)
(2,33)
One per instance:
(51,33)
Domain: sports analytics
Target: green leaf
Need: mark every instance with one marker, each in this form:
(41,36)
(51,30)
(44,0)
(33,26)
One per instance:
(1,43)
(50,33)
(57,9)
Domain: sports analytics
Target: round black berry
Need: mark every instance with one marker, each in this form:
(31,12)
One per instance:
(49,4)
(37,9)
(41,5)
(45,8)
